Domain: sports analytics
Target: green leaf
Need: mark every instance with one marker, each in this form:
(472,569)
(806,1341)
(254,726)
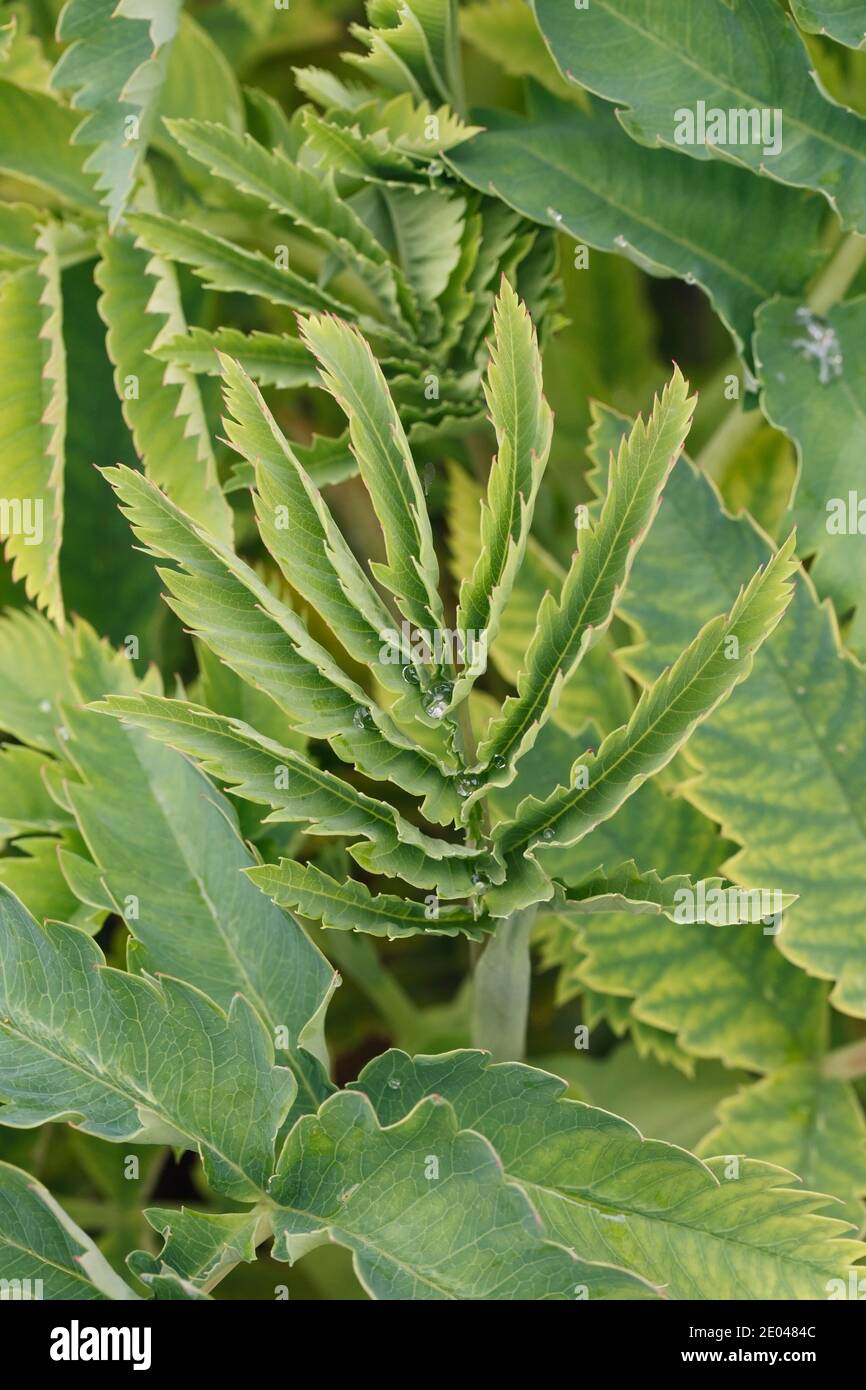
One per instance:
(505,32)
(128,1058)
(271,359)
(33,413)
(227,605)
(200,1248)
(412,47)
(677,897)
(684,695)
(116,63)
(44,1253)
(600,568)
(609,1194)
(729,55)
(524,427)
(223,265)
(354,378)
(35,682)
(35,135)
(807,368)
(842,20)
(309,200)
(465,1233)
(804,1121)
(260,770)
(138,803)
(350,906)
(780,766)
(701,221)
(141,308)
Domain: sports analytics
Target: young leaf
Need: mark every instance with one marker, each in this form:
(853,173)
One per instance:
(350,906)
(593,584)
(524,427)
(668,711)
(354,378)
(116,63)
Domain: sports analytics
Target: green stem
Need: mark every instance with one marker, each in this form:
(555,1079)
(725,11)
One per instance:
(846,1063)
(738,426)
(501,985)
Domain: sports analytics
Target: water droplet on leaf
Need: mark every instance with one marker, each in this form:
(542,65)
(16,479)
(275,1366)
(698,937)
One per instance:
(437,699)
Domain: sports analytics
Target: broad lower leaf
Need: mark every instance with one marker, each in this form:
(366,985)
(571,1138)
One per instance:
(465,1231)
(809,369)
(674,68)
(704,222)
(43,1253)
(842,20)
(129,1058)
(609,1194)
(798,817)
(804,1121)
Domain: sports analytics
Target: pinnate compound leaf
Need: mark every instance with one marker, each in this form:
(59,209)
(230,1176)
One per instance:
(260,770)
(200,1247)
(469,1233)
(589,594)
(44,1253)
(682,697)
(609,1194)
(140,305)
(743,56)
(128,1058)
(350,906)
(800,818)
(524,425)
(226,604)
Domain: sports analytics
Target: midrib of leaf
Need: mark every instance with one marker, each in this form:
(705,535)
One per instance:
(716,81)
(567,171)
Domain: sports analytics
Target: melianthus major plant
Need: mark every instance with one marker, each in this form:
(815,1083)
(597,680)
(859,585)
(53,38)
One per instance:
(370,747)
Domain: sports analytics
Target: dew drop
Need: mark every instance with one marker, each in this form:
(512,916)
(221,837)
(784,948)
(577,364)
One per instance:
(437,699)
(362,718)
(394,1083)
(466,784)
(620,241)
(548,833)
(480,883)
(410,675)
(499,761)
(556,216)
(45,706)
(821,344)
